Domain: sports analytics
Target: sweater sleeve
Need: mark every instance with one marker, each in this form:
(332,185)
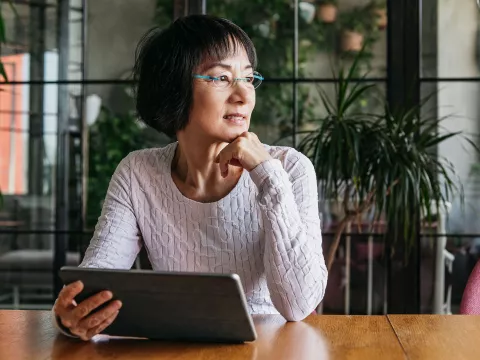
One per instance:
(294,264)
(116,241)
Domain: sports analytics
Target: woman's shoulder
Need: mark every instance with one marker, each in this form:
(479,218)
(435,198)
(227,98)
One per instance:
(144,159)
(149,156)
(292,160)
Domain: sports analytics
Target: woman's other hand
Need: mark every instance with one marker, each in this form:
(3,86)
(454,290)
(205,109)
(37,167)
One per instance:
(78,318)
(246,151)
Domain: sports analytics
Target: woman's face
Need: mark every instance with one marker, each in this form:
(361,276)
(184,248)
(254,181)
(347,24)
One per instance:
(222,114)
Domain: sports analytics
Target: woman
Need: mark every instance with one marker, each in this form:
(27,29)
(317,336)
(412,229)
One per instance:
(217,200)
(470,304)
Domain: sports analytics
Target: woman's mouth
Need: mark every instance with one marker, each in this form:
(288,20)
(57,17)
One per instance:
(237,119)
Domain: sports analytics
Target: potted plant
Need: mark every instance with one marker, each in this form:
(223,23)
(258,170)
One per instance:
(327,11)
(354,25)
(382,163)
(379,10)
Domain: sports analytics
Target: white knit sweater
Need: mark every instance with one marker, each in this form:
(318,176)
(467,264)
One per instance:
(266,230)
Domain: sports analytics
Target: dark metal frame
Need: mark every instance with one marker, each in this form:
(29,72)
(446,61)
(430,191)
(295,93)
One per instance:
(63,145)
(403,91)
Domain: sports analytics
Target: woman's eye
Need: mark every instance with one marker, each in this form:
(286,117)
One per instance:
(224,78)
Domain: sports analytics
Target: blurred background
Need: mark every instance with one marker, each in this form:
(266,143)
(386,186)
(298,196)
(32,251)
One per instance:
(67,119)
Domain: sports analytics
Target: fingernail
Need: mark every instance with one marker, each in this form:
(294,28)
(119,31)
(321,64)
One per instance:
(108,295)
(119,304)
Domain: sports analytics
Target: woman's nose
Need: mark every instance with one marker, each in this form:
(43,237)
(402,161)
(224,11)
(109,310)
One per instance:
(241,91)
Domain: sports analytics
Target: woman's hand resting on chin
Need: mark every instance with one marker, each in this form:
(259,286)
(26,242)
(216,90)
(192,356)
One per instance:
(245,151)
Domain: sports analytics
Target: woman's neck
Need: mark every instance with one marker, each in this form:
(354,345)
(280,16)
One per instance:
(194,166)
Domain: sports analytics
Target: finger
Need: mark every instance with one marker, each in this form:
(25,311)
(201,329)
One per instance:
(99,328)
(245,134)
(235,162)
(253,137)
(223,160)
(80,333)
(224,168)
(68,293)
(99,317)
(88,305)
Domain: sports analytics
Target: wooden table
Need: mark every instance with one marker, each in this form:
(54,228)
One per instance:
(30,335)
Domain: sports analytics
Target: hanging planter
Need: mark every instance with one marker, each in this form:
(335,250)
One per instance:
(356,24)
(382,20)
(351,41)
(378,9)
(327,11)
(306,11)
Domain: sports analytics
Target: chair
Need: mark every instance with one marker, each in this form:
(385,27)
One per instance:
(470,304)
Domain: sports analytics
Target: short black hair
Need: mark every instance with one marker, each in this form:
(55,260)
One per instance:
(166,59)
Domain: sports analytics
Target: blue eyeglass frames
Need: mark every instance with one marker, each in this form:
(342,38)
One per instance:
(224,81)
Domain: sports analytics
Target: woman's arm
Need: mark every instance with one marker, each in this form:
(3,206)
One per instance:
(116,241)
(294,264)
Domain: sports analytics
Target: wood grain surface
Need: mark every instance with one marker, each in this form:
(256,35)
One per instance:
(31,335)
(438,337)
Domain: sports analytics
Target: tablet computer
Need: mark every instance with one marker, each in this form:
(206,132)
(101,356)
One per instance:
(170,305)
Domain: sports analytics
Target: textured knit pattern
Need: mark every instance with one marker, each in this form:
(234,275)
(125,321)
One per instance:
(266,230)
(470,304)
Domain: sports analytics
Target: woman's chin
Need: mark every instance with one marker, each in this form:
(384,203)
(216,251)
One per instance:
(233,135)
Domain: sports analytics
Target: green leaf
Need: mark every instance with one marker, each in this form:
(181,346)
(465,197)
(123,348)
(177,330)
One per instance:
(3,38)
(3,73)
(389,156)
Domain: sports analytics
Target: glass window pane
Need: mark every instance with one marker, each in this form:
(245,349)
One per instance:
(312,112)
(330,32)
(457,103)
(28,148)
(270,26)
(273,114)
(31,48)
(450,46)
(113,132)
(114,28)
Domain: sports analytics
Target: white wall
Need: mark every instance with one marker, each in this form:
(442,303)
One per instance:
(457,42)
(114,29)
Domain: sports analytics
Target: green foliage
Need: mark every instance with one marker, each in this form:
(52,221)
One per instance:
(163,13)
(3,40)
(332,2)
(383,162)
(380,4)
(3,37)
(358,19)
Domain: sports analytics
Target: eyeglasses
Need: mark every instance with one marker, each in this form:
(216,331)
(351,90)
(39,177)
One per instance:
(226,81)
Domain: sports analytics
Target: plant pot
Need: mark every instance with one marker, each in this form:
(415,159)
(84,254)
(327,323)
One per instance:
(327,13)
(382,20)
(306,11)
(351,41)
